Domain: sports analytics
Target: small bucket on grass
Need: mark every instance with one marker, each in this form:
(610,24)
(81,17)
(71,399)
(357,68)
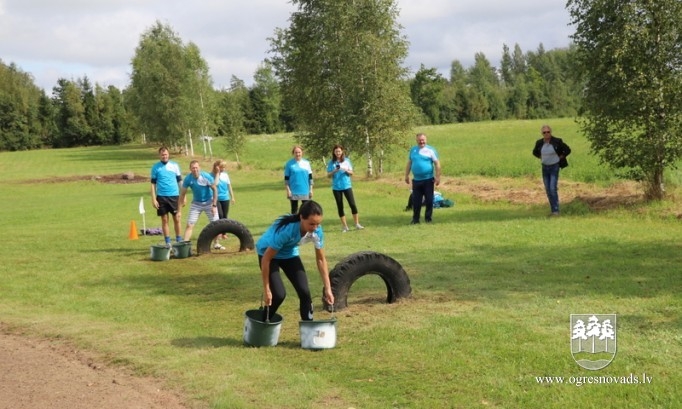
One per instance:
(182,249)
(160,252)
(318,334)
(259,333)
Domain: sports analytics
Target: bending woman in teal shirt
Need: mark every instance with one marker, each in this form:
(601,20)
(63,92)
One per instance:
(278,249)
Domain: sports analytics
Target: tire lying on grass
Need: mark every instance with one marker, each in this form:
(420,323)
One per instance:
(224,226)
(348,270)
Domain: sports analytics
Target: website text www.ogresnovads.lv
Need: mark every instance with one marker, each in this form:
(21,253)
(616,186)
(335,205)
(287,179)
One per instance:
(631,379)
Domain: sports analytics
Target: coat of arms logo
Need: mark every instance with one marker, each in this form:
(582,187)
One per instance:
(593,340)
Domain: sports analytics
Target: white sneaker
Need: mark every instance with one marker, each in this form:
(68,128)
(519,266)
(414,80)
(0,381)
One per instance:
(359,226)
(344,230)
(218,246)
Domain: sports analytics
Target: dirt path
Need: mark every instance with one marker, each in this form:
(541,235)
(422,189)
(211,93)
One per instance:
(529,191)
(43,374)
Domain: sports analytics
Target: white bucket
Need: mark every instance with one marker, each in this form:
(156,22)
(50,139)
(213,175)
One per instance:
(320,334)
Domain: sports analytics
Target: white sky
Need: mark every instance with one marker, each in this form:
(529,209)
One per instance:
(53,39)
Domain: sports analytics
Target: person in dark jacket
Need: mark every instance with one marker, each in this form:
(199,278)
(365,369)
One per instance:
(552,152)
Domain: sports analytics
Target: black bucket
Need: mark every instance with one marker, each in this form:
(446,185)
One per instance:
(259,333)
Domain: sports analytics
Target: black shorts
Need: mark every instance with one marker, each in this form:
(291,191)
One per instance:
(167,204)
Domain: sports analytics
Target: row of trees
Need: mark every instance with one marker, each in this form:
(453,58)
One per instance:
(336,75)
(171,94)
(537,84)
(76,115)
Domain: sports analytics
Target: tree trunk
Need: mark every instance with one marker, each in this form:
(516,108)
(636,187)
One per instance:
(655,190)
(370,170)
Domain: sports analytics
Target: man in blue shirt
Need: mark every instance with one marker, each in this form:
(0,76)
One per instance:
(424,164)
(166,178)
(204,196)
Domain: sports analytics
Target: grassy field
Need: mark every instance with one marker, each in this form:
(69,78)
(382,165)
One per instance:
(494,281)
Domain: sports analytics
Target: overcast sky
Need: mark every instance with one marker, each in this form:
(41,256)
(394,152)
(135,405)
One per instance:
(71,39)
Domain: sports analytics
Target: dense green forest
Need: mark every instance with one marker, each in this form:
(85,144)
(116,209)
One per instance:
(530,85)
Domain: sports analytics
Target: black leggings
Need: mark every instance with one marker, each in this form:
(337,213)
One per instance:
(338,196)
(223,208)
(294,205)
(295,272)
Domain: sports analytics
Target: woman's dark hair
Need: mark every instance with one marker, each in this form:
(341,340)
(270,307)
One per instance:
(343,154)
(308,208)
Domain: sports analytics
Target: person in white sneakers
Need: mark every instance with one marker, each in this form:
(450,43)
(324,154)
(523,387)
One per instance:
(225,195)
(340,169)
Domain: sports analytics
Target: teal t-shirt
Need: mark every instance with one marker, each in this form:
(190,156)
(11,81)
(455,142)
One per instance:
(166,176)
(299,176)
(341,179)
(201,186)
(287,239)
(422,162)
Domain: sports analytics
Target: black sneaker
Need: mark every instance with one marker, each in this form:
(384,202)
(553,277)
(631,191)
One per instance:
(414,222)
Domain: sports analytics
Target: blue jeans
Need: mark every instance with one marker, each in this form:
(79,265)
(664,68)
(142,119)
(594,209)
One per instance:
(550,176)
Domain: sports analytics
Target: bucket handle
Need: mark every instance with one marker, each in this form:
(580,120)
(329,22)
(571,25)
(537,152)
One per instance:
(267,307)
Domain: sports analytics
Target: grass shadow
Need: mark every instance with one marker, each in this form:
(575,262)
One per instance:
(551,271)
(206,342)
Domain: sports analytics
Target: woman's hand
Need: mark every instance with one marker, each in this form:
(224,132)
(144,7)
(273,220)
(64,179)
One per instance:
(267,297)
(265,274)
(328,295)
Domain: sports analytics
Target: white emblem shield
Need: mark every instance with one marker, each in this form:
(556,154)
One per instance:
(593,340)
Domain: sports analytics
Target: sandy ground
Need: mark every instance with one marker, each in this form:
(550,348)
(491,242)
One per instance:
(43,374)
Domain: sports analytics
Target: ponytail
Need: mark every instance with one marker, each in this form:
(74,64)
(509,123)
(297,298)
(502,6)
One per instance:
(308,208)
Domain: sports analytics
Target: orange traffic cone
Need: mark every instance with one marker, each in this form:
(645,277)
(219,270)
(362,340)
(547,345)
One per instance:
(133,231)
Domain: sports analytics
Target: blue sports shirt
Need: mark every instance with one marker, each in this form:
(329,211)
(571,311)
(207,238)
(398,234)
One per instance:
(341,179)
(166,177)
(299,176)
(422,162)
(223,184)
(287,240)
(201,186)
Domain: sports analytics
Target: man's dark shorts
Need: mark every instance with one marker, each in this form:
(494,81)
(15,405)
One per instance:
(167,204)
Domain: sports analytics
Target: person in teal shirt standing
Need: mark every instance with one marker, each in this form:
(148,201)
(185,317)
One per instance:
(298,179)
(424,164)
(166,177)
(225,195)
(340,169)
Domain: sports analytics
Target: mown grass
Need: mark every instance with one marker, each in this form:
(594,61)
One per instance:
(493,283)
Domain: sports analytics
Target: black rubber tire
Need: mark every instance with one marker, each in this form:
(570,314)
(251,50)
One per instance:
(348,270)
(224,226)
